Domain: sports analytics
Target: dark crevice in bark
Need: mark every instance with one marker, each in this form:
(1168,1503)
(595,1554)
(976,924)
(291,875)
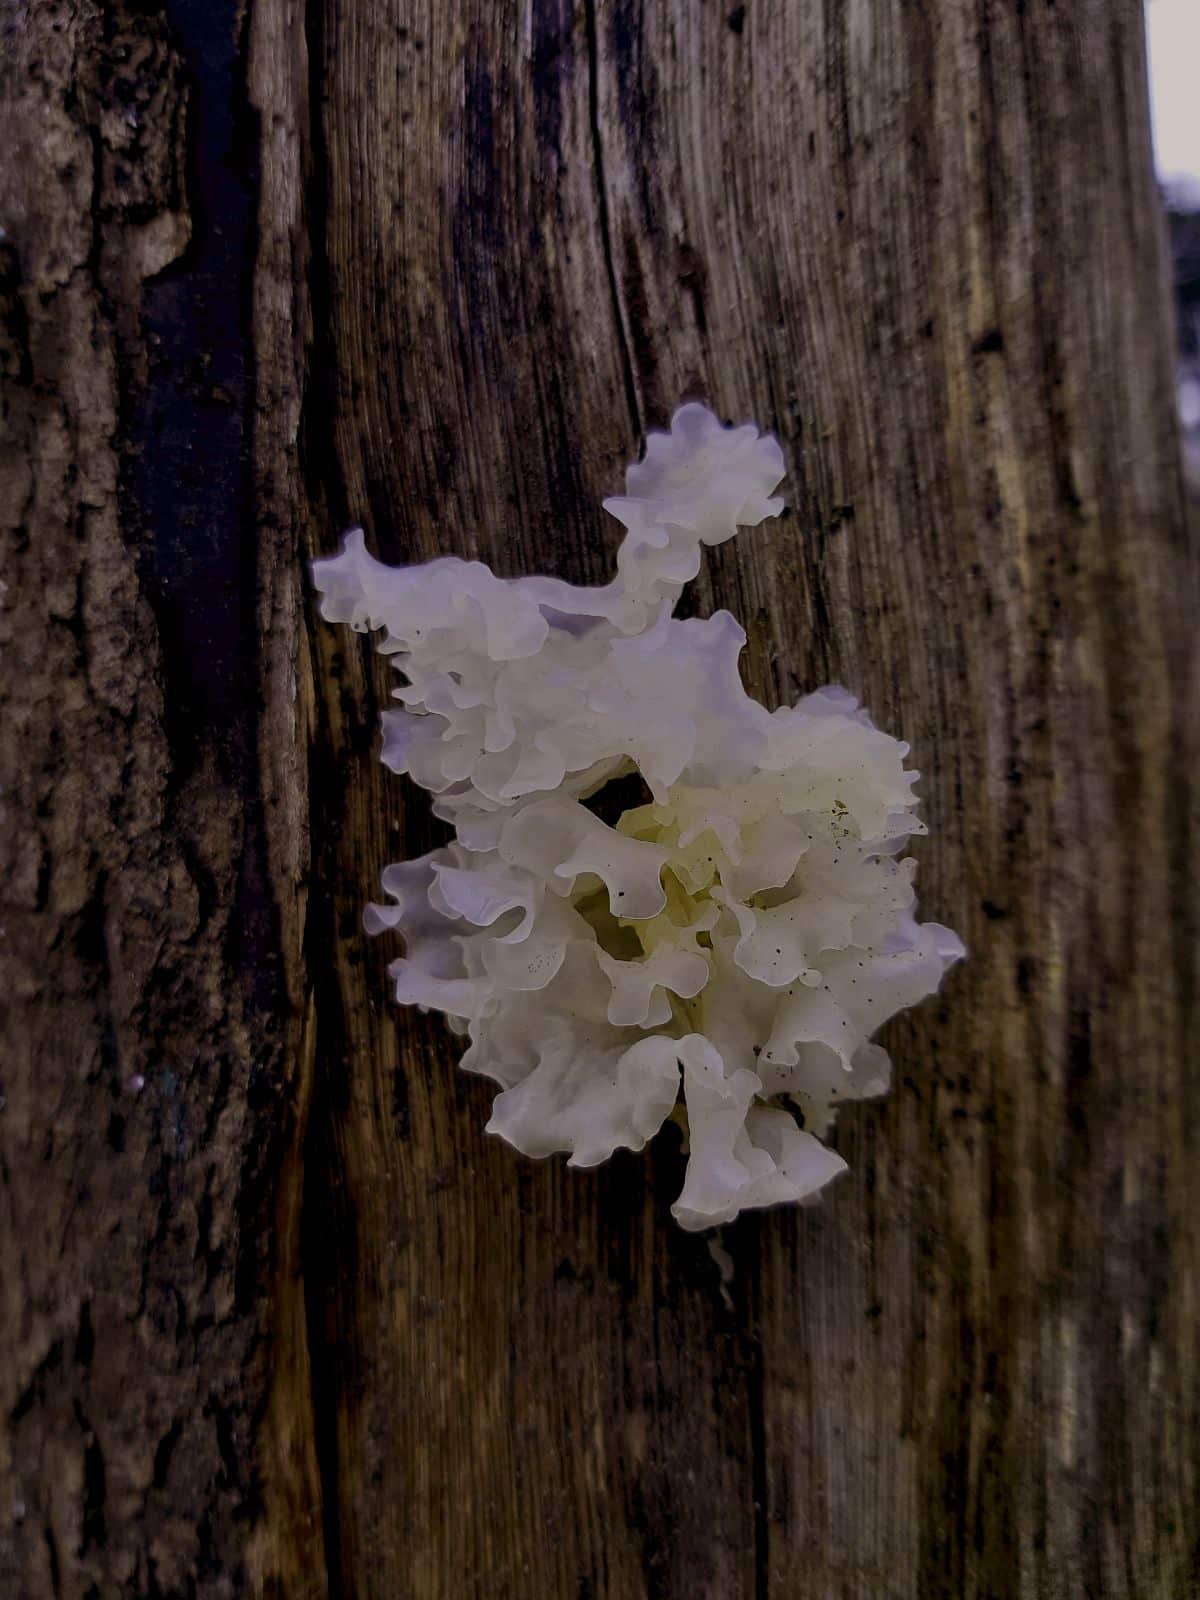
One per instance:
(188,484)
(184,398)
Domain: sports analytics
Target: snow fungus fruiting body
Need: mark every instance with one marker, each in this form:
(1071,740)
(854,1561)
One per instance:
(725,949)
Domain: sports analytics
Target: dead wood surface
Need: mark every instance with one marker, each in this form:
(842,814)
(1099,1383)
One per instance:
(277,1318)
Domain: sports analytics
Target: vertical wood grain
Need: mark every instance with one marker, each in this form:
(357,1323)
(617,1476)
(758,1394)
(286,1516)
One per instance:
(924,247)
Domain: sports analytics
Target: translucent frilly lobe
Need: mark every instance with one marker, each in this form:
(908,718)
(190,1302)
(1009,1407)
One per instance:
(726,950)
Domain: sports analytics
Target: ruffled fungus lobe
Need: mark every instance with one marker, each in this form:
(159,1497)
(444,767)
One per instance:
(739,937)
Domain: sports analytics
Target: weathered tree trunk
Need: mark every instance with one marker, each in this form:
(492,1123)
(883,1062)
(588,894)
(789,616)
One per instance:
(278,1319)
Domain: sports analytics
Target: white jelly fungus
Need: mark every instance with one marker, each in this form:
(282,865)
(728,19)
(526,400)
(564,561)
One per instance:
(738,937)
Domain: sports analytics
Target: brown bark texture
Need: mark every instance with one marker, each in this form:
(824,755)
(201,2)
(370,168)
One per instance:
(276,1318)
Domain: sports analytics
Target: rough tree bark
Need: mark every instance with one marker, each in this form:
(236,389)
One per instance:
(277,1318)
